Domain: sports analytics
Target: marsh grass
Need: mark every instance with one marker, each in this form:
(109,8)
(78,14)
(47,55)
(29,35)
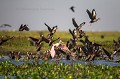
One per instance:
(55,70)
(21,42)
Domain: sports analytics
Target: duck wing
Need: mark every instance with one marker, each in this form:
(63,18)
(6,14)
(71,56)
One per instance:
(54,29)
(34,39)
(74,23)
(50,43)
(4,40)
(49,29)
(107,53)
(71,32)
(89,13)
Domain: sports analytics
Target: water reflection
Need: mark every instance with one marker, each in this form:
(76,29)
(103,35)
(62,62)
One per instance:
(95,62)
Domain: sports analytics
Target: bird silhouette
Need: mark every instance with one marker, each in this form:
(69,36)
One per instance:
(73,33)
(51,41)
(23,27)
(39,47)
(2,40)
(76,25)
(36,41)
(71,43)
(26,27)
(92,16)
(51,30)
(72,8)
(107,53)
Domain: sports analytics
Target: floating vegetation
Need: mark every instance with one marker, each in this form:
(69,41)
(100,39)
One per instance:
(46,70)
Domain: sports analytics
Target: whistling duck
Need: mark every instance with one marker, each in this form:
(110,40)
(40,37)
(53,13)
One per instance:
(76,25)
(92,16)
(51,30)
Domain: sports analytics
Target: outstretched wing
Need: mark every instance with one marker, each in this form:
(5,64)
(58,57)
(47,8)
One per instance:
(34,39)
(74,22)
(71,32)
(5,40)
(50,43)
(107,53)
(49,29)
(54,29)
(89,13)
(45,39)
(82,24)
(39,47)
(26,28)
(21,28)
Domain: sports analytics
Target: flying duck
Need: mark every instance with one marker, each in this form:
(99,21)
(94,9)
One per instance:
(72,8)
(92,16)
(76,25)
(51,30)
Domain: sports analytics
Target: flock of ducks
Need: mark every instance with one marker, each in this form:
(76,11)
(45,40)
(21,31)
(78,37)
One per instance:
(75,49)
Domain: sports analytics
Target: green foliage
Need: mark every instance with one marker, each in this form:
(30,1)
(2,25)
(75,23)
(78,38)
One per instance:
(21,42)
(55,70)
(59,70)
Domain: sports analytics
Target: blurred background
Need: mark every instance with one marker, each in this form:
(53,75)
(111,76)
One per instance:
(35,13)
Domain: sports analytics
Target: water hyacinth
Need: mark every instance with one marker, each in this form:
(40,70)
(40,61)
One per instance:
(54,69)
(58,70)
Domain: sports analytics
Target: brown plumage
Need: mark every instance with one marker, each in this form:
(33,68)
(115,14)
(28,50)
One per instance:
(72,33)
(78,27)
(39,47)
(92,16)
(51,30)
(107,53)
(23,27)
